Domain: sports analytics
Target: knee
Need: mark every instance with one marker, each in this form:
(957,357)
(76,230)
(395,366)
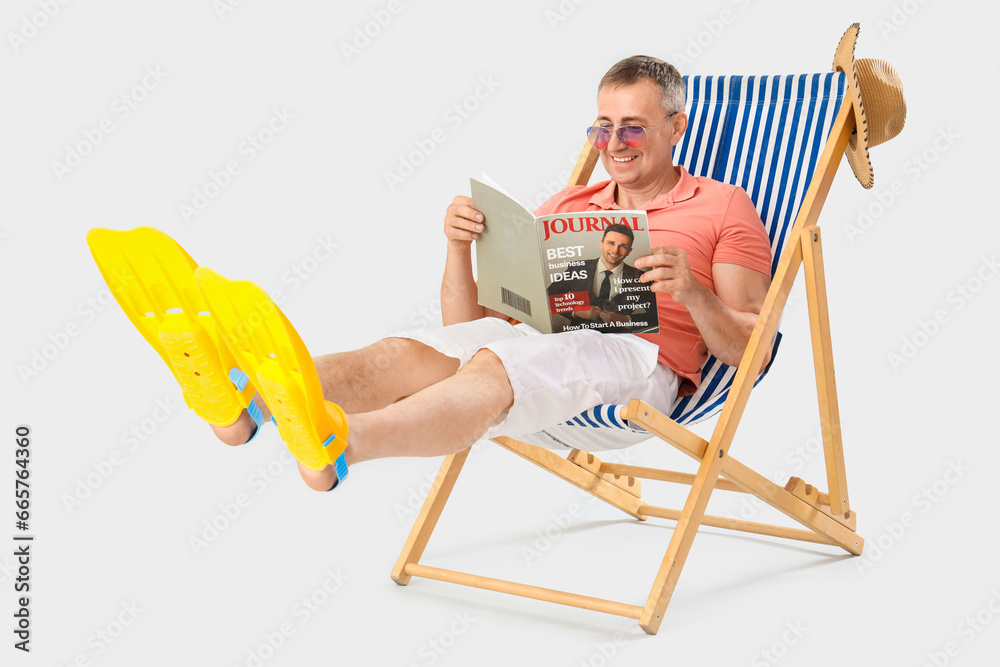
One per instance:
(487,359)
(389,352)
(491,369)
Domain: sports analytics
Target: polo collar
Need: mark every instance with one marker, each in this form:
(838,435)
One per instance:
(685,188)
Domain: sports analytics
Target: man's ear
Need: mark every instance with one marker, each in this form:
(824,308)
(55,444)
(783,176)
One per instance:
(678,124)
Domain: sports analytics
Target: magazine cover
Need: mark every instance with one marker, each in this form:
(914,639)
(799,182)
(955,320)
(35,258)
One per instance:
(563,271)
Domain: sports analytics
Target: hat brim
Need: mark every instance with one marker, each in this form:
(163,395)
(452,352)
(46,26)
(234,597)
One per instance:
(857,146)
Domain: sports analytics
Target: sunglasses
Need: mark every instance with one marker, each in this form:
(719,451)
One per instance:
(633,136)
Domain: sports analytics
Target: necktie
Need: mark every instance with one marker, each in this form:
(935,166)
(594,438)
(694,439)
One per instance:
(605,292)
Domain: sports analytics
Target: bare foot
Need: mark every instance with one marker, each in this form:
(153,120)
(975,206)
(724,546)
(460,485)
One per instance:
(318,480)
(237,433)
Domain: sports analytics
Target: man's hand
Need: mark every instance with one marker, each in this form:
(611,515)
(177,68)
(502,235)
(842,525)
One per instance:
(608,316)
(594,313)
(599,314)
(726,317)
(459,296)
(670,272)
(462,223)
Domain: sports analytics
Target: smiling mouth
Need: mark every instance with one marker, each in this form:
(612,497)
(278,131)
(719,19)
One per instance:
(628,158)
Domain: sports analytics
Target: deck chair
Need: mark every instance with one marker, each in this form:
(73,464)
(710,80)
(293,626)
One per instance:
(781,138)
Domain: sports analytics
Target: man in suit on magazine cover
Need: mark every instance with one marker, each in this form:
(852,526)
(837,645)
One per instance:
(610,283)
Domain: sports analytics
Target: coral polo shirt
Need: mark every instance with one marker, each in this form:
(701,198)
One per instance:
(712,221)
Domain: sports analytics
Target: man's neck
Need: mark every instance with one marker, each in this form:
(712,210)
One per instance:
(642,197)
(604,267)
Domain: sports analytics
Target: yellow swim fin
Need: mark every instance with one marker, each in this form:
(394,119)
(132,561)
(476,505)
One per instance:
(152,277)
(269,349)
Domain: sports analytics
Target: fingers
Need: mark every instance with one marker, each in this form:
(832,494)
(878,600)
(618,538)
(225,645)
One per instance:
(461,221)
(669,250)
(670,256)
(667,269)
(668,279)
(665,285)
(661,273)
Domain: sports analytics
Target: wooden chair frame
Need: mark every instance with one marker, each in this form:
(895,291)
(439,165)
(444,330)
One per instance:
(827,516)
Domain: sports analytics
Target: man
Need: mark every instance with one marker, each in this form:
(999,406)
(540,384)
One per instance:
(438,392)
(609,284)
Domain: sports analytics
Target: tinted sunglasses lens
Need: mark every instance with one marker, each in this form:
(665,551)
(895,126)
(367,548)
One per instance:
(599,137)
(633,136)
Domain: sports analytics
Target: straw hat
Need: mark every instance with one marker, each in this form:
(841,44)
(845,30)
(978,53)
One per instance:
(879,107)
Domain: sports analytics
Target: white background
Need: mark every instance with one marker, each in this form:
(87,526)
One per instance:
(107,543)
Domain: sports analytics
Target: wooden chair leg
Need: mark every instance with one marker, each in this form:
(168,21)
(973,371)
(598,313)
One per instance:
(683,537)
(826,384)
(429,515)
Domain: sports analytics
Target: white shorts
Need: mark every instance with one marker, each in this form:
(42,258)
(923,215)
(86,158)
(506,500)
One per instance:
(555,377)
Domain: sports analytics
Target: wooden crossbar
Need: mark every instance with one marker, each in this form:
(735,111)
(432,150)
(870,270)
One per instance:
(575,475)
(524,590)
(738,524)
(664,476)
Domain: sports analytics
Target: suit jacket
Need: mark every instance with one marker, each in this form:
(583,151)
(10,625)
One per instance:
(640,314)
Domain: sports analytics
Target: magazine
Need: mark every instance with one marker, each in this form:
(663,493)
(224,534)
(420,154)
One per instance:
(563,271)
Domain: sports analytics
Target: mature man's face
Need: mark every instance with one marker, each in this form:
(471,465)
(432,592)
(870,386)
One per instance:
(635,104)
(615,248)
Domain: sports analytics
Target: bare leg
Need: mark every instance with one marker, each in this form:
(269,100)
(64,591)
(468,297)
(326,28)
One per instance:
(381,374)
(442,418)
(361,381)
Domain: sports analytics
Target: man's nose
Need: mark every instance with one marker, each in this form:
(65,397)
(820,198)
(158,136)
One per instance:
(615,143)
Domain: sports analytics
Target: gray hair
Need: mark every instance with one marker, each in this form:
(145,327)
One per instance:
(673,91)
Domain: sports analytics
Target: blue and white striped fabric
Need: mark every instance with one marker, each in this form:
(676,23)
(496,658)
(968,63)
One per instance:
(765,134)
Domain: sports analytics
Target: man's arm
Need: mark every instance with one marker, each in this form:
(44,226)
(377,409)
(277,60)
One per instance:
(725,318)
(459,296)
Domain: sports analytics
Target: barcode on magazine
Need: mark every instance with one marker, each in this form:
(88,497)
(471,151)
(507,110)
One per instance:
(515,301)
